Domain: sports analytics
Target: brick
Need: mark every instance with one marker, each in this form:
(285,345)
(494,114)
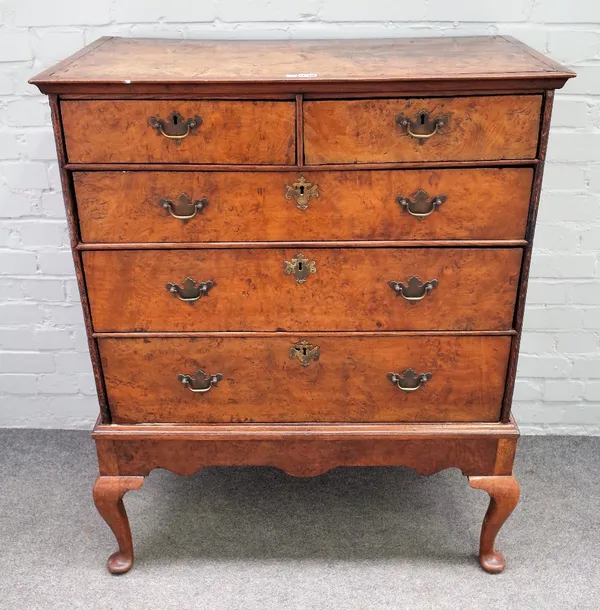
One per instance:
(25,175)
(10,289)
(553,318)
(594,177)
(52,46)
(466,10)
(43,234)
(17,263)
(53,205)
(14,205)
(564,177)
(9,146)
(81,342)
(572,147)
(527,391)
(14,47)
(586,294)
(555,11)
(547,293)
(18,384)
(6,84)
(592,391)
(565,206)
(563,265)
(591,318)
(53,339)
(150,11)
(18,339)
(66,314)
(43,289)
(28,13)
(544,366)
(577,343)
(54,177)
(73,362)
(563,390)
(586,83)
(590,239)
(20,313)
(26,362)
(537,343)
(86,384)
(571,46)
(337,10)
(40,145)
(57,263)
(571,113)
(27,112)
(556,237)
(587,367)
(57,384)
(72,291)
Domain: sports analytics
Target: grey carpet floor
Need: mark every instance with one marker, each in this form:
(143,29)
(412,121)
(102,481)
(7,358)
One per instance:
(255,538)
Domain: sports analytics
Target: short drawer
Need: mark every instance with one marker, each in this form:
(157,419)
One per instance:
(230,132)
(317,289)
(431,129)
(143,207)
(325,378)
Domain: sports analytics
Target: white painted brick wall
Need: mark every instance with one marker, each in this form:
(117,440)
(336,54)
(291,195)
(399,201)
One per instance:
(45,374)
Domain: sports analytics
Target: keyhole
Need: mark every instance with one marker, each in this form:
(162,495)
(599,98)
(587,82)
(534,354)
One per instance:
(299,266)
(301,190)
(422,118)
(304,351)
(175,119)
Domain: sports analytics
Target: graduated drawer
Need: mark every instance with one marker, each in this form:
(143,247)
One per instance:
(222,132)
(137,207)
(443,129)
(263,379)
(451,289)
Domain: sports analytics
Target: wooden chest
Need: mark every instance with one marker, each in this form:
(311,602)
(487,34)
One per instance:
(303,254)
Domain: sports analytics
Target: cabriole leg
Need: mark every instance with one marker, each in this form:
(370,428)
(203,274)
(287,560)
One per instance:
(504,495)
(108,497)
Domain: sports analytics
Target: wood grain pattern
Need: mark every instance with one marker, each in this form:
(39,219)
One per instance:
(349,290)
(365,131)
(348,383)
(124,207)
(231,132)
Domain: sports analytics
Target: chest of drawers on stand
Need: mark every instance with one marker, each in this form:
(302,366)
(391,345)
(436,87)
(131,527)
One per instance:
(303,254)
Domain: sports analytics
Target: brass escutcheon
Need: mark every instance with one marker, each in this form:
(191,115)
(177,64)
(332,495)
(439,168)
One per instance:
(422,127)
(302,191)
(300,267)
(304,352)
(183,207)
(190,291)
(414,289)
(409,380)
(420,204)
(175,127)
(199,382)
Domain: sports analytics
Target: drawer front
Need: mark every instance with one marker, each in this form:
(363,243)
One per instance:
(452,289)
(452,129)
(227,132)
(257,380)
(137,207)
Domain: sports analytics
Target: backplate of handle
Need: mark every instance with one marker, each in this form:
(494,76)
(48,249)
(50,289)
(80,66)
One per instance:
(175,127)
(414,290)
(190,290)
(183,207)
(409,380)
(199,382)
(422,127)
(420,204)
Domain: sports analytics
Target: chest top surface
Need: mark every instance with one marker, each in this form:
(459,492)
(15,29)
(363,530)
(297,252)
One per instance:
(132,65)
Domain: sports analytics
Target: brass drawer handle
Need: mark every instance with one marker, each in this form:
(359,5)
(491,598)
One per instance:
(409,380)
(414,290)
(302,191)
(300,267)
(422,127)
(183,208)
(420,201)
(190,291)
(175,127)
(199,381)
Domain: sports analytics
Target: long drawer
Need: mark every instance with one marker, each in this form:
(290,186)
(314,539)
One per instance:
(319,289)
(325,378)
(180,131)
(133,206)
(422,129)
